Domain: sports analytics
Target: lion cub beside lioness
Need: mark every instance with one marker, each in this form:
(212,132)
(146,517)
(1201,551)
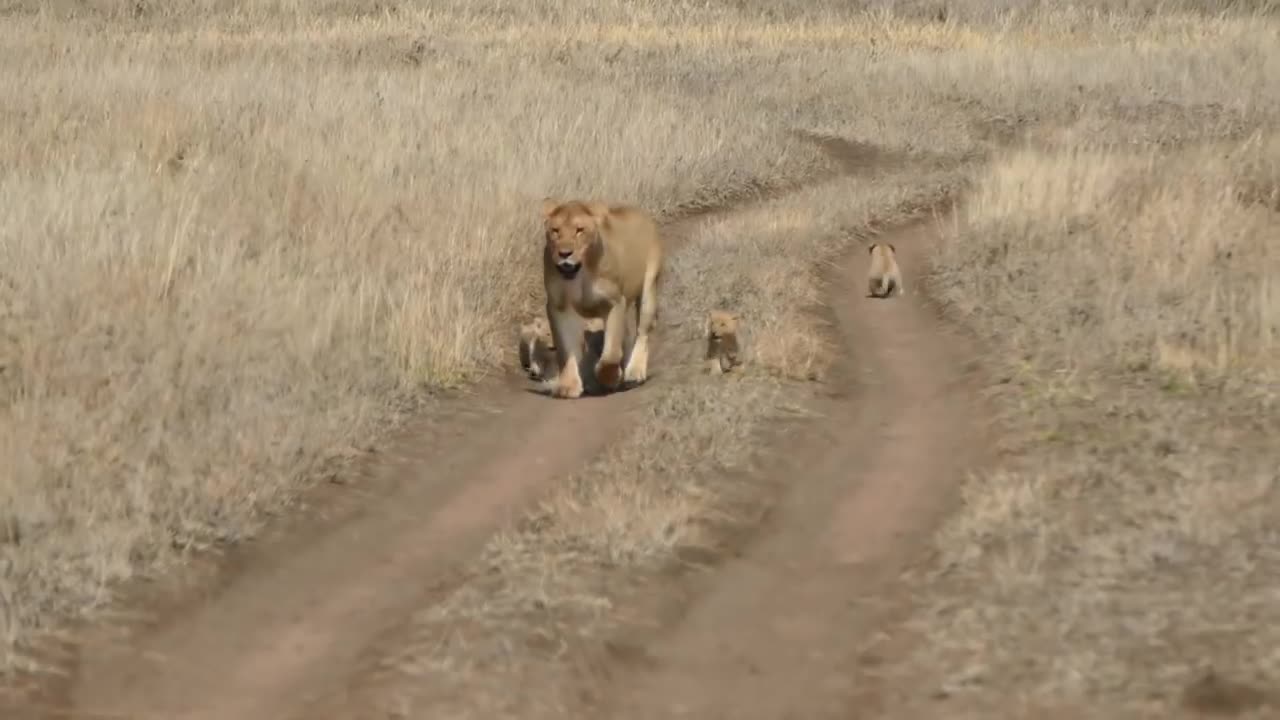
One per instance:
(599,261)
(883,275)
(537,348)
(722,341)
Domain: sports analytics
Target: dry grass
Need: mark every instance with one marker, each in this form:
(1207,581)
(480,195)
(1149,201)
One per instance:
(210,287)
(1127,546)
(240,233)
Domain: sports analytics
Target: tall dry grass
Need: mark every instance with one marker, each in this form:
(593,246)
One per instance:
(1122,557)
(224,259)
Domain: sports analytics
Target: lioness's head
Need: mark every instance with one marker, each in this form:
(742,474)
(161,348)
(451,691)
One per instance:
(887,249)
(721,323)
(572,230)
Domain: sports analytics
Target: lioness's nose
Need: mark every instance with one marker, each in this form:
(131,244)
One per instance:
(565,253)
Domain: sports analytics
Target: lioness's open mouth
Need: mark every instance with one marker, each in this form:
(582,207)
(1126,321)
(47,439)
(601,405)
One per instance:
(569,269)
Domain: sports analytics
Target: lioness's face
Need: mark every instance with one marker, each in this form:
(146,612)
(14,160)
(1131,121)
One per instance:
(571,229)
(721,324)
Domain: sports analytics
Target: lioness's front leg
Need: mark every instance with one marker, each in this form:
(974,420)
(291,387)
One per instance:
(646,314)
(609,367)
(566,327)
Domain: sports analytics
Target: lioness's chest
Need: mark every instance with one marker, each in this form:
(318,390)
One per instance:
(588,295)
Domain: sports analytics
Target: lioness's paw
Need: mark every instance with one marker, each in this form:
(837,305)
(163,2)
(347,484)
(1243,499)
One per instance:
(567,392)
(568,385)
(635,373)
(608,375)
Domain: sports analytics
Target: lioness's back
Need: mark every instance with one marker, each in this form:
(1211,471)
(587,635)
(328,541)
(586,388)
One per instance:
(635,244)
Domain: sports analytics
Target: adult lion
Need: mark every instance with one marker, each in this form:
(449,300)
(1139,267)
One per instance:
(597,262)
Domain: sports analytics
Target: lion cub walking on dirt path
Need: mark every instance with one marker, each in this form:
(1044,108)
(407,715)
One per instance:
(722,341)
(599,262)
(883,275)
(537,348)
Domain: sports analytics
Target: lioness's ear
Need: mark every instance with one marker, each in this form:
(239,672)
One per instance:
(549,206)
(598,210)
(871,247)
(894,249)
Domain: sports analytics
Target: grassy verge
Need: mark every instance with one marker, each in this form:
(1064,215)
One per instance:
(1123,554)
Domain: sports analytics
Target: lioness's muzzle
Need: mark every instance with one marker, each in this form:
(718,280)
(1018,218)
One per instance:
(568,268)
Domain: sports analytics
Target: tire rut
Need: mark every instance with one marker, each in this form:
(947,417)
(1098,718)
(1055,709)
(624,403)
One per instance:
(301,610)
(781,632)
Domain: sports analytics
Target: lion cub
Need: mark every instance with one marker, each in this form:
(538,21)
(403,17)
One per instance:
(537,348)
(722,341)
(883,275)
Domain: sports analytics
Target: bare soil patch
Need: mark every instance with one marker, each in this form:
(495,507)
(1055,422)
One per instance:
(295,611)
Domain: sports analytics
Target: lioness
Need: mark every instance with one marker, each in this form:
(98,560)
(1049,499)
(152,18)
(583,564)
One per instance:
(597,262)
(537,348)
(722,341)
(883,275)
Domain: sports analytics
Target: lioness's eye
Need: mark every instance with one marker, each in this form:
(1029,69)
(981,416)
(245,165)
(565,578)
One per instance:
(579,231)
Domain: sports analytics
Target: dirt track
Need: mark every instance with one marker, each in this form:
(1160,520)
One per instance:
(781,633)
(773,635)
(300,611)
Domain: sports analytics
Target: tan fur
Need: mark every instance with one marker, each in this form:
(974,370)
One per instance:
(537,348)
(599,262)
(721,333)
(883,275)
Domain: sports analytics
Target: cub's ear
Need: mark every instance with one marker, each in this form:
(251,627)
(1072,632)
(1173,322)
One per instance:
(894,249)
(549,206)
(871,247)
(599,211)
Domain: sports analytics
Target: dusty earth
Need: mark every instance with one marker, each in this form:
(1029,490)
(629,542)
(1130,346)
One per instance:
(782,631)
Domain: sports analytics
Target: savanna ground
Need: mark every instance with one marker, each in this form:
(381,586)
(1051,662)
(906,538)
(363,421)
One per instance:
(241,240)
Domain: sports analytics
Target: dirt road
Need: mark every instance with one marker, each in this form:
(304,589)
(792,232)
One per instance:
(300,610)
(775,634)
(780,633)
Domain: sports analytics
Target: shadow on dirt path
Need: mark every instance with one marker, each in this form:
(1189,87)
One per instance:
(778,633)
